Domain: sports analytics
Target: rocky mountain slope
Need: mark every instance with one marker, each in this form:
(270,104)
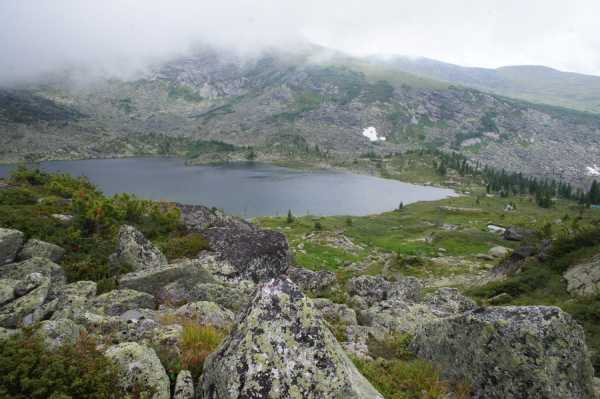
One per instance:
(528,82)
(288,105)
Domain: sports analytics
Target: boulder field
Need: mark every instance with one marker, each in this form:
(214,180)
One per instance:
(279,341)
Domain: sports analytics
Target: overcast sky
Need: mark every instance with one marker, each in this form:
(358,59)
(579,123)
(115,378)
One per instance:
(121,36)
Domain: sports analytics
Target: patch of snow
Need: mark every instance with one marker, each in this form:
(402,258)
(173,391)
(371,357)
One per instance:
(470,142)
(371,134)
(593,170)
(492,136)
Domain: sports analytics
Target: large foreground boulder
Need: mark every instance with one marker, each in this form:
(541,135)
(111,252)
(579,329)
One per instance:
(135,251)
(140,370)
(281,349)
(257,255)
(10,244)
(511,352)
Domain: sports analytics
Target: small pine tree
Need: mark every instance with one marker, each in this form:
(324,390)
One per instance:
(318,226)
(348,221)
(401,206)
(594,194)
(290,217)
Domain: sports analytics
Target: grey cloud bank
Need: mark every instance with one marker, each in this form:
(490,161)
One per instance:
(121,37)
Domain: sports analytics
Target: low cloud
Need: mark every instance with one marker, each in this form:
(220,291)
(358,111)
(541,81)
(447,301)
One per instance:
(122,37)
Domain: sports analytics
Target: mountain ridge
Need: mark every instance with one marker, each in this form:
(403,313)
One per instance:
(278,104)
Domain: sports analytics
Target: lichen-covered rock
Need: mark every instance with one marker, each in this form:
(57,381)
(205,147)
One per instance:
(257,255)
(219,267)
(310,281)
(584,279)
(511,352)
(45,267)
(6,333)
(141,369)
(59,332)
(515,233)
(376,288)
(199,218)
(206,313)
(449,301)
(31,281)
(499,251)
(281,349)
(398,315)
(116,302)
(86,289)
(10,244)
(184,386)
(137,252)
(29,307)
(7,290)
(230,297)
(41,249)
(74,299)
(405,289)
(152,281)
(357,338)
(335,312)
(510,265)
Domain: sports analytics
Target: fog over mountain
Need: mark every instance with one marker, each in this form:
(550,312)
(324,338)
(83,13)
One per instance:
(121,38)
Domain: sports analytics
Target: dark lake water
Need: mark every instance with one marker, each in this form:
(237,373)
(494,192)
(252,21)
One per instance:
(247,189)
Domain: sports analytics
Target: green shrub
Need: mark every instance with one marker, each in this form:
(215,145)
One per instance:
(414,379)
(68,186)
(23,175)
(17,196)
(29,370)
(187,246)
(394,346)
(197,342)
